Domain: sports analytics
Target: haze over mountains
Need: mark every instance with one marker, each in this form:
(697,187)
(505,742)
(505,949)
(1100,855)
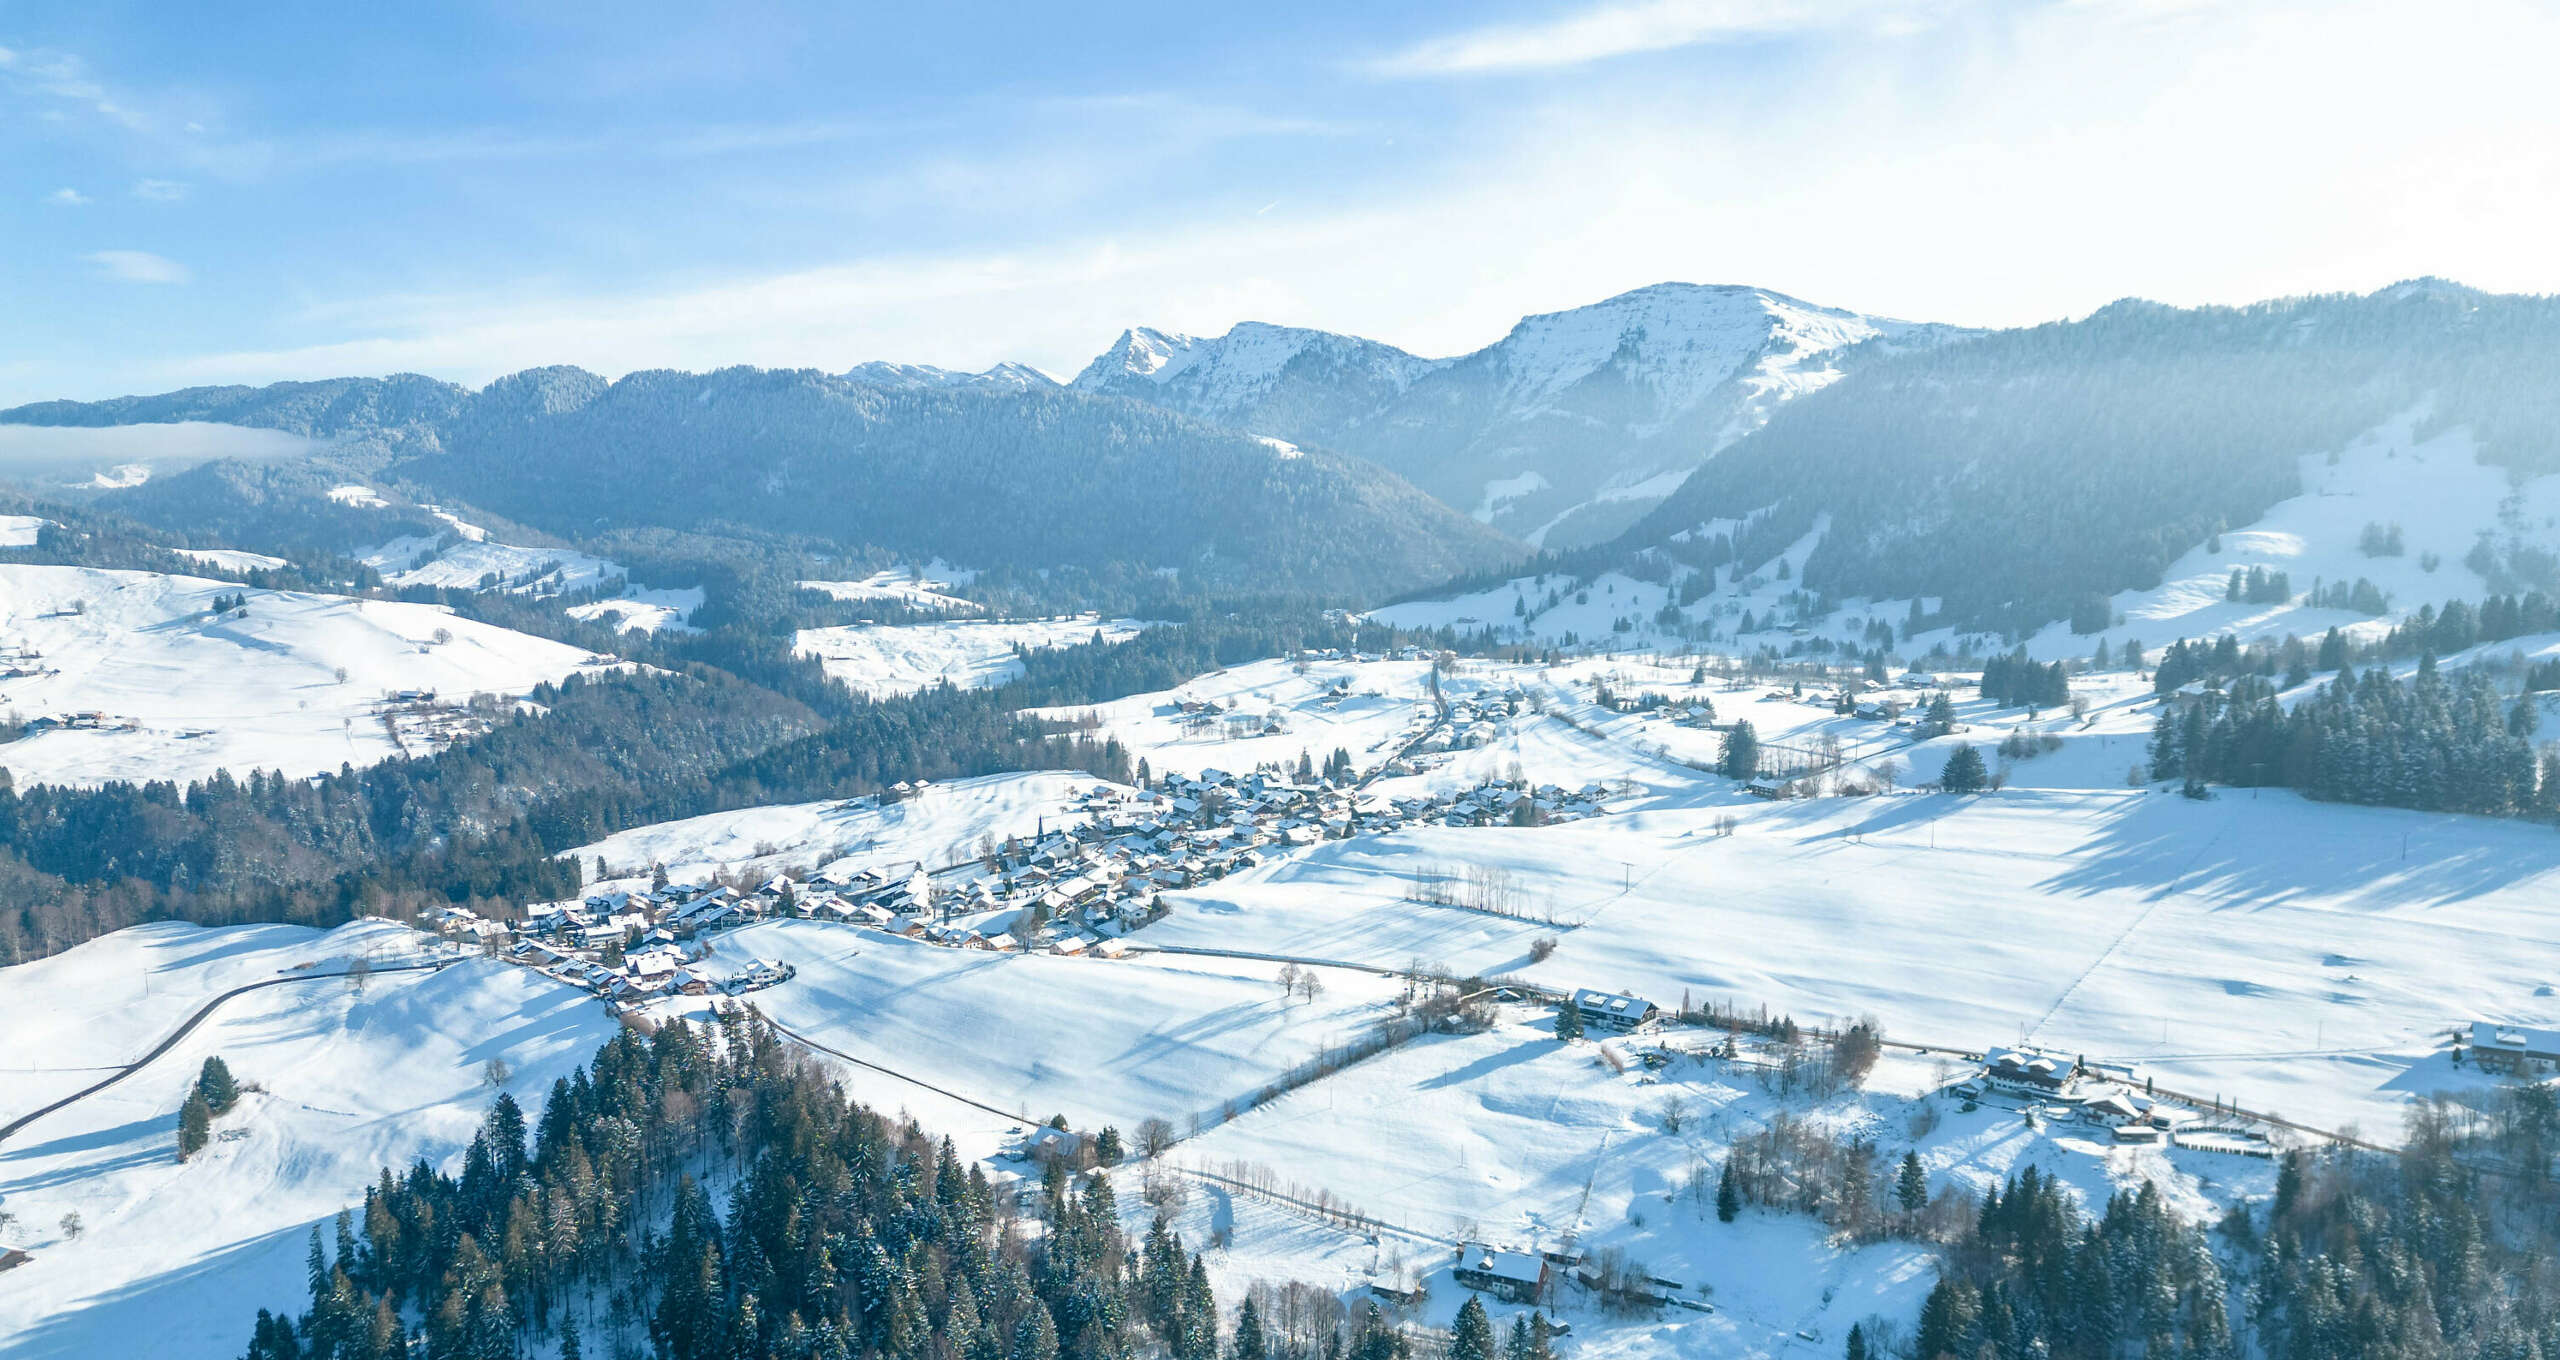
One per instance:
(1562,433)
(2010,477)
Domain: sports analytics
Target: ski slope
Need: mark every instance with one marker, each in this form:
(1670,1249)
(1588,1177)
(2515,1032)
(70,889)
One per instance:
(888,660)
(174,1260)
(202,693)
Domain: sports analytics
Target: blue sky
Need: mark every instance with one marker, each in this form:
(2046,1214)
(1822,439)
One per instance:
(229,193)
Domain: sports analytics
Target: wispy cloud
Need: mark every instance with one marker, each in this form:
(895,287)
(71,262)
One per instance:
(1596,34)
(62,77)
(66,197)
(159,190)
(138,266)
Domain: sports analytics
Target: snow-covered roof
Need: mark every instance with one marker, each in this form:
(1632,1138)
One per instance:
(1520,1266)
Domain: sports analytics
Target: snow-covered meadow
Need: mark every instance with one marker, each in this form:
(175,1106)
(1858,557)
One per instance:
(893,659)
(1102,1041)
(173,1259)
(185,692)
(943,825)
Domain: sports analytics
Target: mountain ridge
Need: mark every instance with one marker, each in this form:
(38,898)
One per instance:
(1562,431)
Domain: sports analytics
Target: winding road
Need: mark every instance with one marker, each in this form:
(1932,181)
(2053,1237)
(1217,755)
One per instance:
(202,1013)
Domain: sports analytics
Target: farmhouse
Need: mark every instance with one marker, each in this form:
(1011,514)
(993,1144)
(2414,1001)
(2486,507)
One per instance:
(2513,1043)
(1611,1010)
(1512,1276)
(2029,1072)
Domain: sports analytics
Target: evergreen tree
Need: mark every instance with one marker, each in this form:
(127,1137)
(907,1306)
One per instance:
(1728,1195)
(215,1084)
(1911,1184)
(1471,1337)
(1857,1342)
(1964,771)
(195,1125)
(1741,758)
(1248,1343)
(1568,1021)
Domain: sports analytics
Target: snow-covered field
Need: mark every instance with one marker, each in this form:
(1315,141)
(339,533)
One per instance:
(472,564)
(1377,703)
(1511,1137)
(925,587)
(882,661)
(941,826)
(175,1259)
(1100,1041)
(2278,952)
(231,559)
(646,611)
(203,693)
(78,1014)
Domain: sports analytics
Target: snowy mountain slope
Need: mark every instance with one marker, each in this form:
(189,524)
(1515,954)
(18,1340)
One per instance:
(1261,378)
(174,1258)
(2434,486)
(941,826)
(889,659)
(1004,377)
(185,692)
(1562,432)
(2030,474)
(999,469)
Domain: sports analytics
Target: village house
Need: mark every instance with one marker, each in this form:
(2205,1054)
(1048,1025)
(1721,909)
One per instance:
(1611,1010)
(2030,1072)
(1511,1276)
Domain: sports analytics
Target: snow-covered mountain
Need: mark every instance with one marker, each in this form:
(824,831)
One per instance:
(1563,432)
(1004,377)
(1285,381)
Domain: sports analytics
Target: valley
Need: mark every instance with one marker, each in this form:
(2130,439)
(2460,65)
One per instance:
(1587,832)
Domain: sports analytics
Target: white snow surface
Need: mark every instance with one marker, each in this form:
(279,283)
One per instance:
(941,826)
(206,693)
(19,531)
(175,1259)
(1509,1137)
(1101,1041)
(1234,372)
(464,565)
(925,587)
(232,559)
(644,611)
(883,660)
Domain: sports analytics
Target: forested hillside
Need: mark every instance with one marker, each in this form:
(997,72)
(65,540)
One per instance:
(1025,479)
(2023,471)
(320,410)
(987,472)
